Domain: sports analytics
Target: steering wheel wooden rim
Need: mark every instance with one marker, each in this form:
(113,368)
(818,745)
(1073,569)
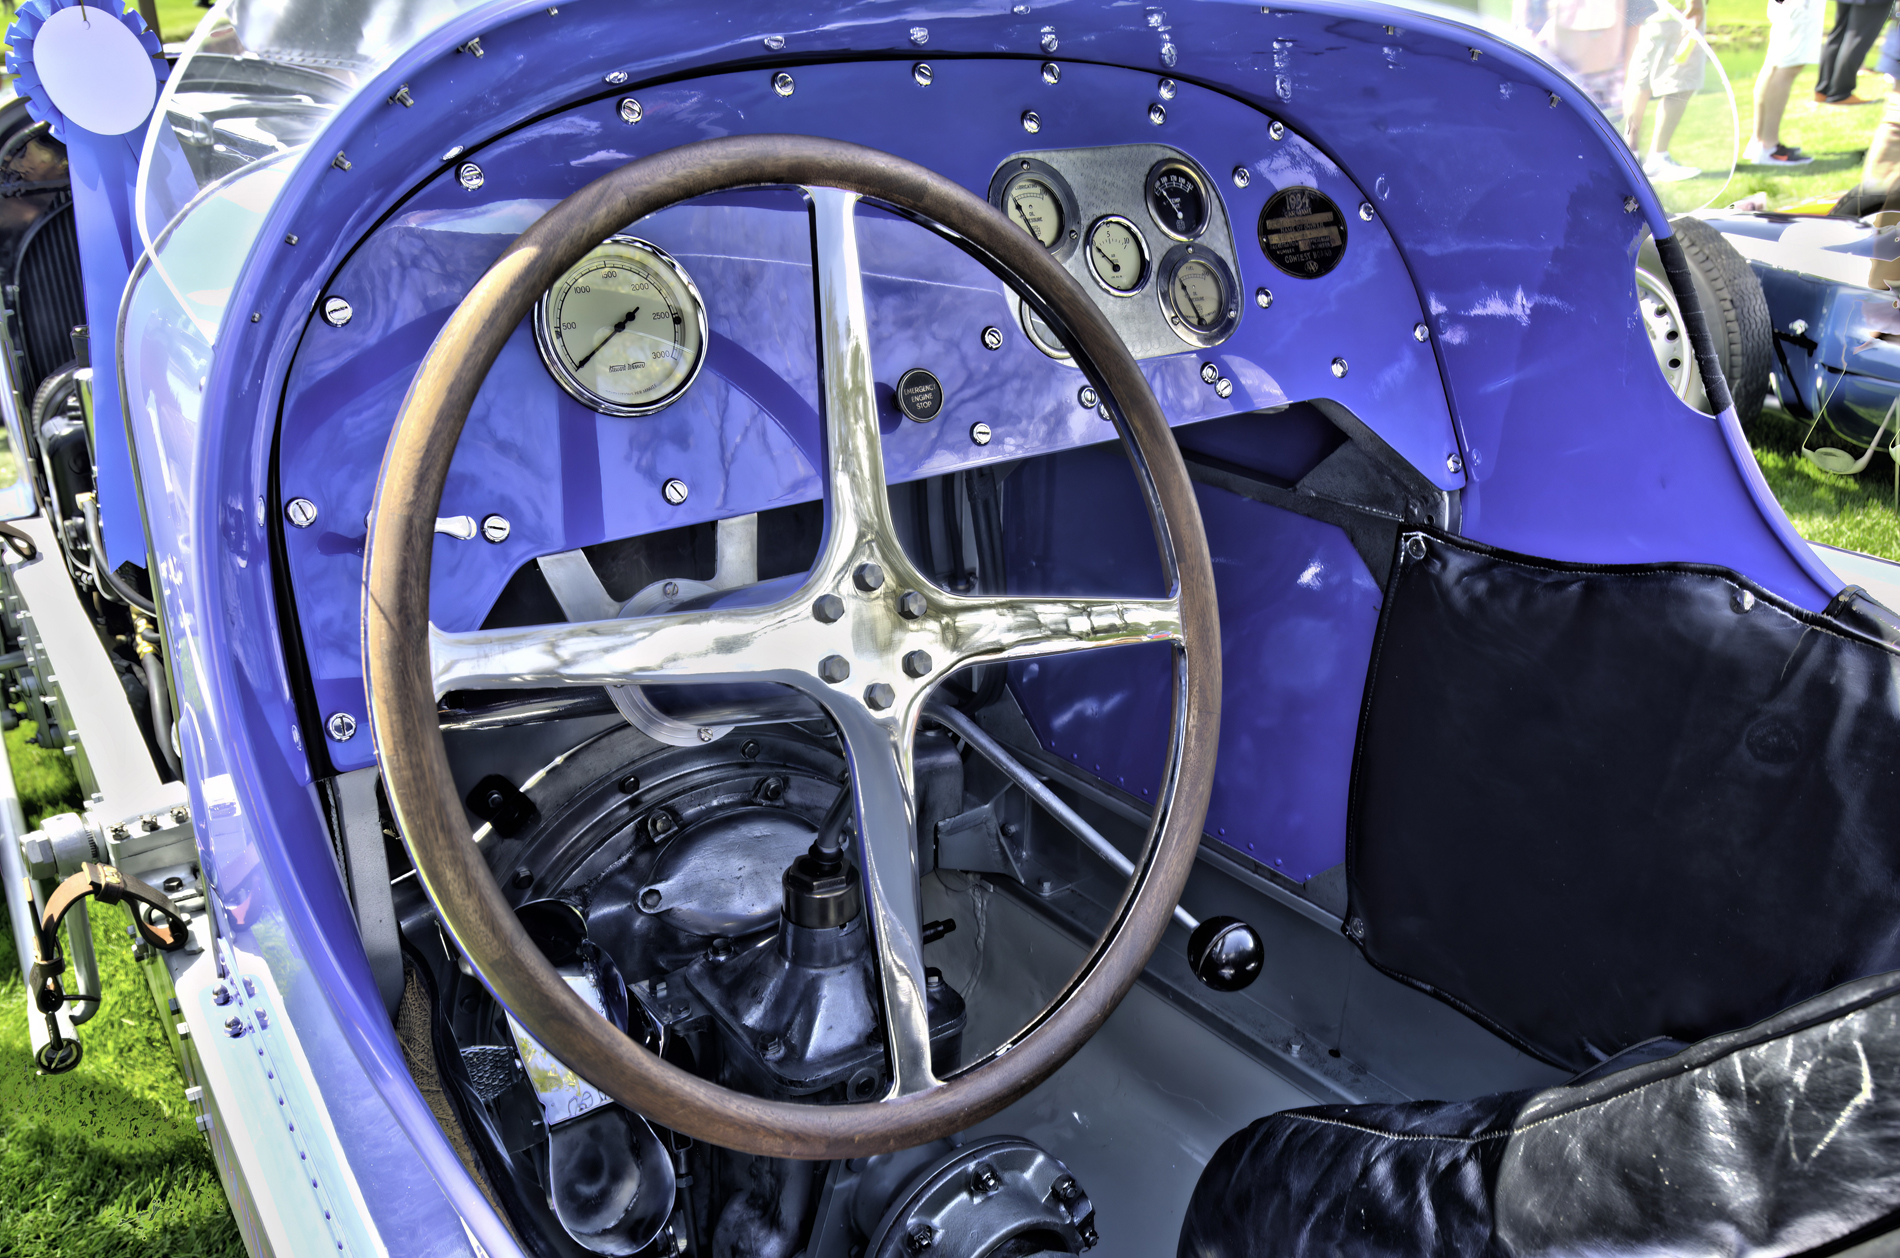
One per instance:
(402,680)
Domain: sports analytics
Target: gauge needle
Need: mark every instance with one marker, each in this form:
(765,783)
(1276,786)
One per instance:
(1112,264)
(618,328)
(1194,305)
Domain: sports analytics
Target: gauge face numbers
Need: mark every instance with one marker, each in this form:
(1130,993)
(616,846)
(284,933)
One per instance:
(1034,206)
(1035,197)
(1177,199)
(1198,295)
(1117,255)
(624,331)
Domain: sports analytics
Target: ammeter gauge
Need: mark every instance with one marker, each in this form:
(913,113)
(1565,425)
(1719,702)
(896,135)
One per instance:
(624,331)
(1117,255)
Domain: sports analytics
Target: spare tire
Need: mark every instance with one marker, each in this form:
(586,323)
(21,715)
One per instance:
(1733,304)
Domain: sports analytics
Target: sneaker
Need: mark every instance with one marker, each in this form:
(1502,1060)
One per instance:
(1661,168)
(1758,154)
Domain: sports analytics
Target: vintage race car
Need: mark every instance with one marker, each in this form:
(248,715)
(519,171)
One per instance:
(991,630)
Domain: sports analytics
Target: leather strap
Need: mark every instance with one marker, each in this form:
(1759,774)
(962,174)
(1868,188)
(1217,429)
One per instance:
(107,885)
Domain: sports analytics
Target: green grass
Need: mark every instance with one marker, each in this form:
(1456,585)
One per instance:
(104,1162)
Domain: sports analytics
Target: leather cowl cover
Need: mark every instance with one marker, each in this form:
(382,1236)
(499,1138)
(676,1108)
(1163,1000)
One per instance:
(1780,1139)
(1593,805)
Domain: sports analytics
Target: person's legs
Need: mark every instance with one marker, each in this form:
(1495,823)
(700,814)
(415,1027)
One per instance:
(1669,114)
(1863,29)
(1831,51)
(1771,101)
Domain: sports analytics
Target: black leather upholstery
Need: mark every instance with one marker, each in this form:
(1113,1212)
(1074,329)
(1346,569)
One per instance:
(1780,1139)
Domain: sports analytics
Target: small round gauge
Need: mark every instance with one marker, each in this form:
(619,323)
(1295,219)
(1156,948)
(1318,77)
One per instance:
(1040,334)
(1197,295)
(1034,206)
(624,331)
(1118,256)
(1177,199)
(1034,196)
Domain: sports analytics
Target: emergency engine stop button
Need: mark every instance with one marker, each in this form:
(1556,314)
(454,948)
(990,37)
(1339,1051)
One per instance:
(919,395)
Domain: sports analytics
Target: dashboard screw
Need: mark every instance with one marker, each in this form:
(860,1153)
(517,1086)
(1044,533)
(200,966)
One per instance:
(452,154)
(234,1026)
(1086,397)
(1276,129)
(1032,121)
(828,608)
(671,589)
(834,669)
(495,528)
(1209,373)
(775,42)
(1420,332)
(1262,298)
(1051,73)
(1242,176)
(917,663)
(631,110)
(980,434)
(1454,464)
(301,512)
(1339,368)
(1365,211)
(879,695)
(911,605)
(402,97)
(1476,53)
(919,36)
(337,312)
(615,77)
(867,577)
(782,83)
(342,726)
(674,491)
(1048,43)
(1165,89)
(470,176)
(922,73)
(992,338)
(1223,388)
(1157,114)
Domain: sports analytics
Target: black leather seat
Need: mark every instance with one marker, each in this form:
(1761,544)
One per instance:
(1782,1138)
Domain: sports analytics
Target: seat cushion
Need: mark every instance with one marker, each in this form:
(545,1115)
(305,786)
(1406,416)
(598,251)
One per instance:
(1783,1138)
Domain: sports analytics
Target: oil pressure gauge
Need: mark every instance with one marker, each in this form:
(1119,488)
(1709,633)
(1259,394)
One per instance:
(1035,197)
(1198,295)
(1117,255)
(624,331)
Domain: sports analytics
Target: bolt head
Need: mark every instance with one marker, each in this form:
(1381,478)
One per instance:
(495,529)
(1630,205)
(986,1179)
(1157,113)
(911,605)
(615,77)
(919,35)
(1420,332)
(1209,373)
(1365,211)
(1166,89)
(879,695)
(992,338)
(771,1048)
(1048,43)
(1242,176)
(1223,388)
(1454,464)
(1066,1189)
(671,589)
(867,577)
(470,176)
(1032,121)
(782,83)
(828,607)
(301,512)
(923,74)
(220,995)
(834,669)
(234,1026)
(674,490)
(751,749)
(631,111)
(661,823)
(980,434)
(1277,130)
(1087,398)
(1339,367)
(651,899)
(919,1238)
(917,663)
(630,785)
(523,878)
(337,312)
(1051,73)
(342,726)
(1262,298)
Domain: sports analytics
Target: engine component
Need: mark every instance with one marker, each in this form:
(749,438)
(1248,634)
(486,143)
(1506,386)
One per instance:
(1000,1198)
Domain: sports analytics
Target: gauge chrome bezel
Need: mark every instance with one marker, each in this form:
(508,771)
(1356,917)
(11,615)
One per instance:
(1164,285)
(571,384)
(1015,168)
(1201,181)
(1141,243)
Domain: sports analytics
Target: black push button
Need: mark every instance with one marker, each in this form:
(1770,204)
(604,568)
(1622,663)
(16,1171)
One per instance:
(919,395)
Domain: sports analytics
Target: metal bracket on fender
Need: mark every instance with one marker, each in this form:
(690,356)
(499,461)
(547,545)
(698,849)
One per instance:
(107,885)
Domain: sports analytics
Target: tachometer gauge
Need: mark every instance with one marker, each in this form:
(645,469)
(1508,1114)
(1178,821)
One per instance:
(1117,255)
(1032,195)
(624,331)
(1198,295)
(1177,199)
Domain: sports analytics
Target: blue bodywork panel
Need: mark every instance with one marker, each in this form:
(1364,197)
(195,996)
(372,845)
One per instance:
(1506,215)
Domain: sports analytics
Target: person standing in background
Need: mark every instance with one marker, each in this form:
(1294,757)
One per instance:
(1667,64)
(1857,25)
(1794,41)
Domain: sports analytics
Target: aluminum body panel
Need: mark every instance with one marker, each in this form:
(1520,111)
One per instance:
(1577,449)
